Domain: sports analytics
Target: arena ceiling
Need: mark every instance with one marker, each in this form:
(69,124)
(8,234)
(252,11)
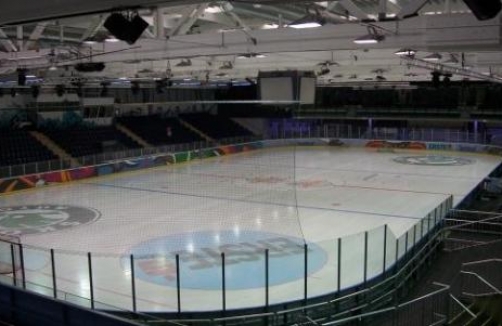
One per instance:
(236,39)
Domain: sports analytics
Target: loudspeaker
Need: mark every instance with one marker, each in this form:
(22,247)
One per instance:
(128,30)
(484,9)
(137,27)
(117,25)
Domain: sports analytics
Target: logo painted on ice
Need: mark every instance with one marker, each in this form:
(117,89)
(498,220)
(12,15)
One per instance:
(31,219)
(434,160)
(201,260)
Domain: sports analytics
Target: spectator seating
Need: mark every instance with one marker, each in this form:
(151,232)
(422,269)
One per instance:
(88,141)
(158,131)
(19,147)
(214,126)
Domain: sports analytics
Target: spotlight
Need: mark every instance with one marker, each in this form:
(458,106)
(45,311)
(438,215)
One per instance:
(127,29)
(406,53)
(308,21)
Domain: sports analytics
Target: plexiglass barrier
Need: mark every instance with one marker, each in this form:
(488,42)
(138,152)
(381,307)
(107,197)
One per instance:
(243,275)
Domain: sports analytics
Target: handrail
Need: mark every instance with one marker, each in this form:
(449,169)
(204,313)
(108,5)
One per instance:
(445,287)
(463,306)
(497,260)
(482,280)
(468,222)
(360,316)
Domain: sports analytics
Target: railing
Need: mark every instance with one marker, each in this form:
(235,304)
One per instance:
(61,164)
(309,131)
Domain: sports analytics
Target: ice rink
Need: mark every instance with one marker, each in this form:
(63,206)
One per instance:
(276,199)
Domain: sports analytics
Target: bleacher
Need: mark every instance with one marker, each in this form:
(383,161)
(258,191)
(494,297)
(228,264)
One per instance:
(158,131)
(84,141)
(19,147)
(214,126)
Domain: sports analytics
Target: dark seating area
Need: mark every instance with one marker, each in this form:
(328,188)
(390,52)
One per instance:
(18,147)
(88,141)
(158,131)
(215,126)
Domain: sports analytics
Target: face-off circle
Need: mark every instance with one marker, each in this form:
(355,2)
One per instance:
(33,219)
(434,160)
(201,261)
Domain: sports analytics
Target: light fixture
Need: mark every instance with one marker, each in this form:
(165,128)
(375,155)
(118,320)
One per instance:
(90,41)
(270,26)
(308,21)
(53,67)
(371,38)
(214,10)
(251,55)
(432,57)
(112,40)
(184,63)
(405,52)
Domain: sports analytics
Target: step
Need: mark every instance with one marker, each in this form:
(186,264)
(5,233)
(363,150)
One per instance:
(54,148)
(133,136)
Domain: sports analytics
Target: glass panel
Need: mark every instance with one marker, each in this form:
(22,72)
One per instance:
(8,263)
(411,238)
(418,231)
(390,258)
(376,246)
(200,279)
(37,266)
(72,277)
(352,260)
(322,268)
(286,270)
(112,281)
(244,276)
(402,245)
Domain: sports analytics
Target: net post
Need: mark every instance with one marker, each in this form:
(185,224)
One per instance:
(384,248)
(223,285)
(178,282)
(89,262)
(365,277)
(53,268)
(305,273)
(266,279)
(13,258)
(133,282)
(339,267)
(23,272)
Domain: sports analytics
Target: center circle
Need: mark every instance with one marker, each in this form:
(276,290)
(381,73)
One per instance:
(200,259)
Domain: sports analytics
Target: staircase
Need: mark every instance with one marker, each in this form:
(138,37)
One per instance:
(484,311)
(133,136)
(197,131)
(55,148)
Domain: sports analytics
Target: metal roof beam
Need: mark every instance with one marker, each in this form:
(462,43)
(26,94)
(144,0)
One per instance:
(35,35)
(411,8)
(353,9)
(7,42)
(189,20)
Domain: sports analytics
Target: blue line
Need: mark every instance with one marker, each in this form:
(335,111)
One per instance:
(248,201)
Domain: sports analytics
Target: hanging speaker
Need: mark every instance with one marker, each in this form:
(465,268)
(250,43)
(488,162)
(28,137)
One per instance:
(125,29)
(484,9)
